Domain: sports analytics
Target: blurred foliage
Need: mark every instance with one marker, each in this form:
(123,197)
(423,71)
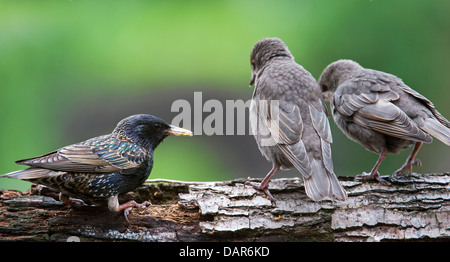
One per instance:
(55,53)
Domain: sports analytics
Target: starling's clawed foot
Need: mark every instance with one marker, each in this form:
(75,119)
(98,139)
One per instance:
(408,167)
(77,203)
(73,202)
(371,176)
(129,205)
(261,187)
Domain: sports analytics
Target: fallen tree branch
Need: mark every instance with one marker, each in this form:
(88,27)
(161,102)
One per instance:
(414,207)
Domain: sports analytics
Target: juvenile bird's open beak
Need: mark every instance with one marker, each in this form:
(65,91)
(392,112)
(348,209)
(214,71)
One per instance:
(178,131)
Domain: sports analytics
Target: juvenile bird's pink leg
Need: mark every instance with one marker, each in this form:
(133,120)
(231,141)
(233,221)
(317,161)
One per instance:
(374,173)
(410,162)
(263,186)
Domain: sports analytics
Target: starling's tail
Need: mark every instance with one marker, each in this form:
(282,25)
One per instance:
(437,128)
(31,174)
(323,184)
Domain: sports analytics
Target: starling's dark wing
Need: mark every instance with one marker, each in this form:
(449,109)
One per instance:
(120,153)
(369,104)
(106,153)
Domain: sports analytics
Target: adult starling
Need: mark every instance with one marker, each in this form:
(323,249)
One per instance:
(380,112)
(102,167)
(289,121)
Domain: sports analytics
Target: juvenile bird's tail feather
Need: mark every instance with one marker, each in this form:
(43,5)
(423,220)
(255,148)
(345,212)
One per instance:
(437,129)
(440,118)
(323,185)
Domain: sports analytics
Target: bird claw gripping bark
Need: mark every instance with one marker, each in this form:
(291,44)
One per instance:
(371,176)
(129,205)
(72,202)
(77,203)
(408,167)
(261,187)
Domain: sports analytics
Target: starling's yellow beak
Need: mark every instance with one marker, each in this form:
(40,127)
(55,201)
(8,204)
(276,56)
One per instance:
(178,131)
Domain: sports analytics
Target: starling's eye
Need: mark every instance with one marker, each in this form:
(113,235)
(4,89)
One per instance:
(156,126)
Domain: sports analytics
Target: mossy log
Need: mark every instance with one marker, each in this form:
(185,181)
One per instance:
(413,207)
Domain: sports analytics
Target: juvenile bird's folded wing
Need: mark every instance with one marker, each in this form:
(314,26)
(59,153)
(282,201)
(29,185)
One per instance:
(284,126)
(386,118)
(370,105)
(285,123)
(355,94)
(322,127)
(439,128)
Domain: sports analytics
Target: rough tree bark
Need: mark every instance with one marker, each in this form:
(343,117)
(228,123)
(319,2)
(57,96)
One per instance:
(413,207)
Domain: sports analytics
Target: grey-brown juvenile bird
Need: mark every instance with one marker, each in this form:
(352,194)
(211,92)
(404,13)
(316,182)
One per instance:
(102,167)
(289,121)
(380,112)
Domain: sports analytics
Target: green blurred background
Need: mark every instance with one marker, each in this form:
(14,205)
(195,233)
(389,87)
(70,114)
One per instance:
(70,70)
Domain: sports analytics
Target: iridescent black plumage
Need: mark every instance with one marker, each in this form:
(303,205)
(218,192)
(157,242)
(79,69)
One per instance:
(104,166)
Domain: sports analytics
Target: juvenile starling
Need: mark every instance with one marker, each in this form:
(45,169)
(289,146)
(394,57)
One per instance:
(102,167)
(380,112)
(289,121)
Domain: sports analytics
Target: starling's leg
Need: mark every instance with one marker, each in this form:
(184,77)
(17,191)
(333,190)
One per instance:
(130,204)
(374,173)
(410,162)
(264,184)
(113,205)
(71,201)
